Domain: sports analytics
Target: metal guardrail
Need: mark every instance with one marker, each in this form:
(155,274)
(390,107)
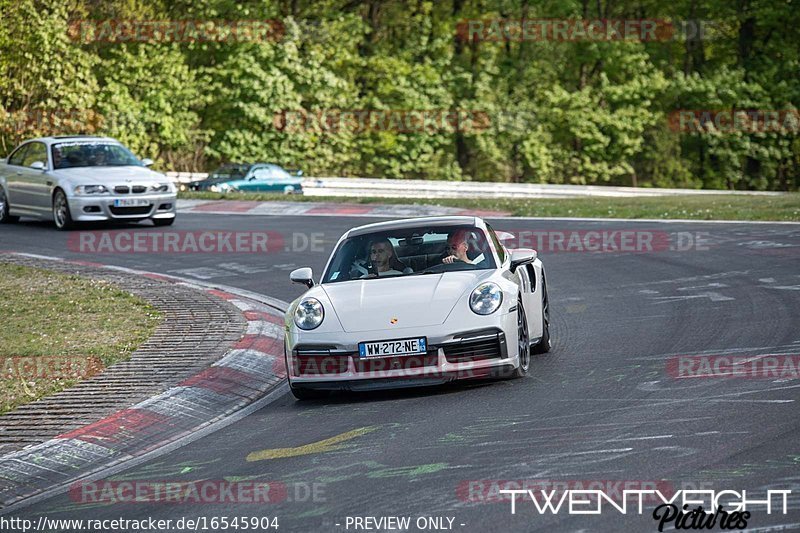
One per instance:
(399,188)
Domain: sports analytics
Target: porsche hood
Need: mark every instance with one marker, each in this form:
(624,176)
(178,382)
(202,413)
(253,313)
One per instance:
(400,302)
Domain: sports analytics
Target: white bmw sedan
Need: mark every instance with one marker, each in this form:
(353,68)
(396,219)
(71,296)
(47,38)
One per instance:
(82,179)
(416,302)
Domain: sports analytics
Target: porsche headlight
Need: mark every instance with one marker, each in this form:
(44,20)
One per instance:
(309,314)
(486,298)
(85,190)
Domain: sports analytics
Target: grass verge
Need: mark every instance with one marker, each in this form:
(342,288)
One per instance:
(707,207)
(57,329)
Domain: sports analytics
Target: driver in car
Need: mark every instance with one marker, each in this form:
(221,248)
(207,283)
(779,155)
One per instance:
(457,246)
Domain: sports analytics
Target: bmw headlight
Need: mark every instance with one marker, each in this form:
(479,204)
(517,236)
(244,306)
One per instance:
(160,187)
(309,314)
(84,190)
(486,298)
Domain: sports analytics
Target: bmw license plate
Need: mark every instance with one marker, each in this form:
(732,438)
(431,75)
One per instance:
(414,346)
(131,202)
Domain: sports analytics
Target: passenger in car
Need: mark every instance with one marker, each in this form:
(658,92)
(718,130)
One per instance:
(384,260)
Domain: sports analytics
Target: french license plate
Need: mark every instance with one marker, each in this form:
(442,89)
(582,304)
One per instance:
(131,202)
(414,346)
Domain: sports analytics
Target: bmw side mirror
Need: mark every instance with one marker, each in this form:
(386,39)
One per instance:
(38,165)
(302,275)
(147,162)
(522,256)
(299,173)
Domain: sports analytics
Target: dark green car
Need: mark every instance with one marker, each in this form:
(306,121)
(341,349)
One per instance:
(258,177)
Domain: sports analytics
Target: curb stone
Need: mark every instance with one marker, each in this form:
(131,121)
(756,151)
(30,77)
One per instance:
(245,363)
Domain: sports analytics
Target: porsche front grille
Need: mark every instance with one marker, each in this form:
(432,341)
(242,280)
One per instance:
(320,365)
(479,348)
(405,362)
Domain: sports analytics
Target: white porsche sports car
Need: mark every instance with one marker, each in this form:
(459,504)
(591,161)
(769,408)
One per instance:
(416,302)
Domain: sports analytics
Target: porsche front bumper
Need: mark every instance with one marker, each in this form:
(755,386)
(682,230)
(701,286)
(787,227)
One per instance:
(333,362)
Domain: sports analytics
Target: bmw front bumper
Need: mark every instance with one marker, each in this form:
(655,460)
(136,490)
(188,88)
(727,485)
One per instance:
(99,208)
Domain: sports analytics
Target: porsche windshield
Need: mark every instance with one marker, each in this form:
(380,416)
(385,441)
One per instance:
(92,154)
(410,252)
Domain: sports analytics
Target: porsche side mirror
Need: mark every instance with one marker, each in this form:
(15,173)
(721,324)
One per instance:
(38,165)
(147,162)
(522,256)
(302,275)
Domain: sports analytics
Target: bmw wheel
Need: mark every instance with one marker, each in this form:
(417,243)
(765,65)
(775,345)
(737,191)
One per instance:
(5,207)
(61,214)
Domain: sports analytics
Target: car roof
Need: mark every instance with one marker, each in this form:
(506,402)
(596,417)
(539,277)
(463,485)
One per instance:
(72,138)
(409,223)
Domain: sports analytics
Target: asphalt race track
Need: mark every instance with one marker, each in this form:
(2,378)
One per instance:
(604,406)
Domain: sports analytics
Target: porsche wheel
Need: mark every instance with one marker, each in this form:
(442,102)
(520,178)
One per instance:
(523,343)
(544,345)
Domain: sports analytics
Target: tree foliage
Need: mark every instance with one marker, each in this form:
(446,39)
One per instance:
(548,110)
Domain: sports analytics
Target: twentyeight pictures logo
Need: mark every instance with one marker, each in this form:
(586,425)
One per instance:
(683,509)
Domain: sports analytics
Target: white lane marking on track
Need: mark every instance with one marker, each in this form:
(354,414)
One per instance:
(757,245)
(748,401)
(706,286)
(718,275)
(202,272)
(37,256)
(713,296)
(652,437)
(591,452)
(244,269)
(725,351)
(767,280)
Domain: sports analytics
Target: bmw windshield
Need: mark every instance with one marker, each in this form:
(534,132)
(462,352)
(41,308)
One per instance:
(92,154)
